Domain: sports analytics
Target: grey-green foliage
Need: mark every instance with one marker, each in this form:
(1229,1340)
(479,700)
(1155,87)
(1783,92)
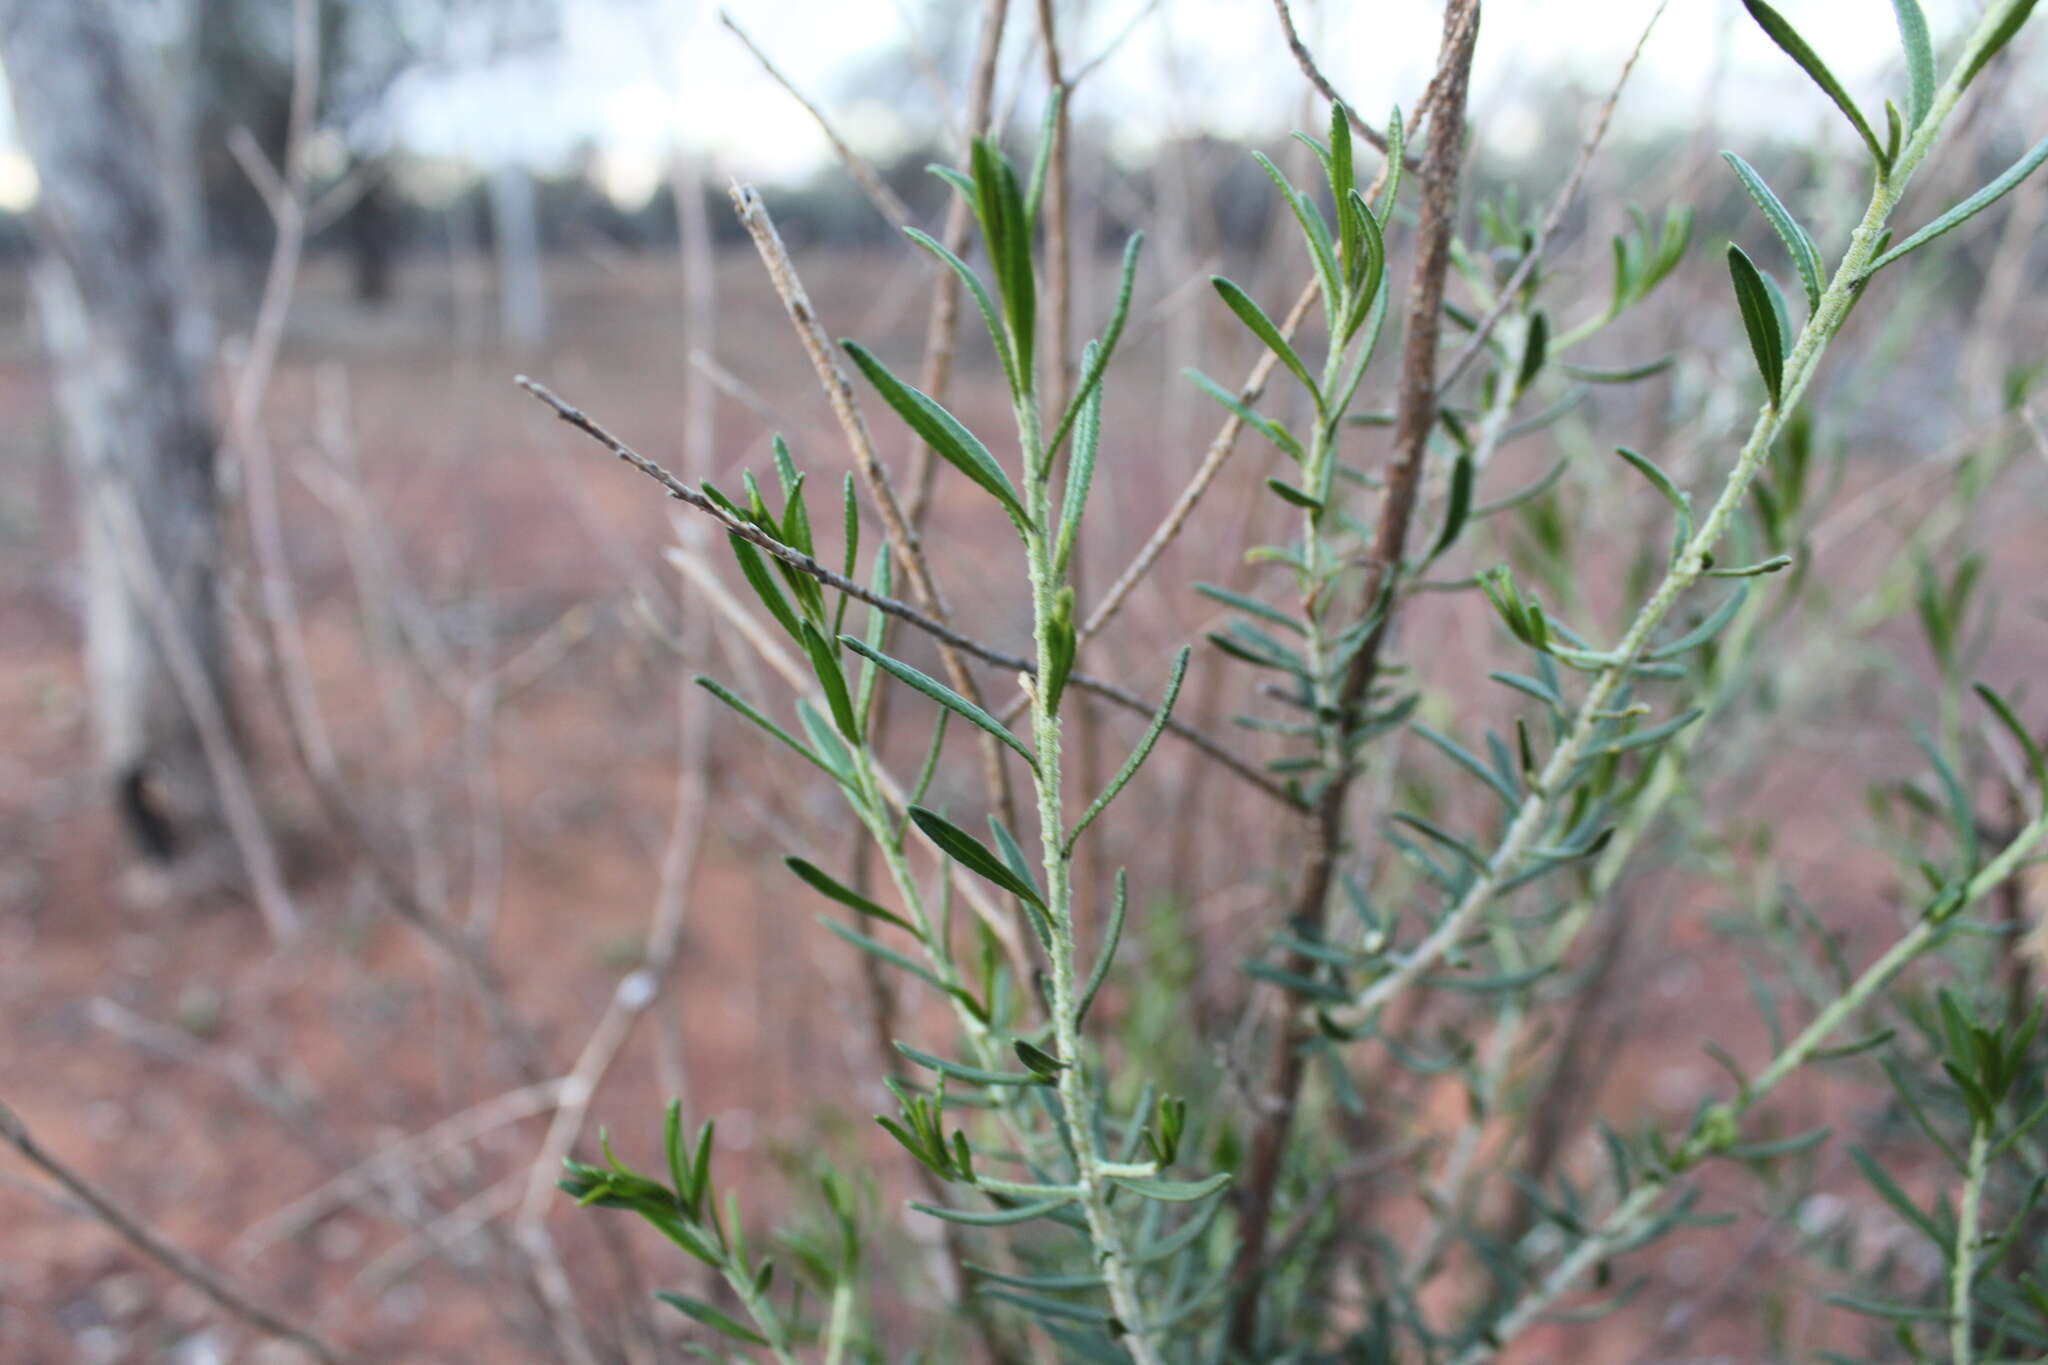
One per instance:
(1107,1193)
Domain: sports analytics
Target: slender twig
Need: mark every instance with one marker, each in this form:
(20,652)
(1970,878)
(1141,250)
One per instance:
(1416,416)
(1554,217)
(180,1263)
(902,611)
(886,201)
(1307,62)
(1961,1317)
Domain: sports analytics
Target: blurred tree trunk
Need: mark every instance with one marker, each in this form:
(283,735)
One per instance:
(371,229)
(115,306)
(522,287)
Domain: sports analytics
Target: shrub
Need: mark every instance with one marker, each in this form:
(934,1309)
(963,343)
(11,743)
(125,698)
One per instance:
(1114,1201)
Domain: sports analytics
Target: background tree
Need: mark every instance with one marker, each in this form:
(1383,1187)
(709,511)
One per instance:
(115,309)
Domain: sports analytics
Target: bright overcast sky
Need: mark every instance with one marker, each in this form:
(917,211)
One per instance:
(638,78)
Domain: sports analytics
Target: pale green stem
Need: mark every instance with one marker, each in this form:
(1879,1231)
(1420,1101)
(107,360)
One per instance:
(1690,566)
(874,813)
(841,1325)
(1072,1086)
(764,1315)
(1960,1315)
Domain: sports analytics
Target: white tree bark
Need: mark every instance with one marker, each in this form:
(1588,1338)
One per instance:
(118,313)
(522,284)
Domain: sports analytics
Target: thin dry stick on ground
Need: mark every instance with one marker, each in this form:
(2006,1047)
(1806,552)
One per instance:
(178,1262)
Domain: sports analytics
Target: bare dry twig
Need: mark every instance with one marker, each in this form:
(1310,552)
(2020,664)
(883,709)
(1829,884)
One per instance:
(902,611)
(886,201)
(180,1263)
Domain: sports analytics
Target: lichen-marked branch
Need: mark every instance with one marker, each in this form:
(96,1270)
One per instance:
(1416,417)
(902,611)
(178,1262)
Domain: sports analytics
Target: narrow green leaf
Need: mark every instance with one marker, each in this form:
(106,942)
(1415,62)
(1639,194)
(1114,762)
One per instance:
(940,693)
(1760,320)
(1139,754)
(1179,1240)
(960,1071)
(1095,360)
(1705,630)
(833,680)
(1656,734)
(979,293)
(826,885)
(1315,231)
(1470,762)
(1626,375)
(2015,18)
(1254,317)
(1048,1282)
(1041,1307)
(1786,37)
(997,1218)
(941,431)
(711,1317)
(1888,1189)
(1798,242)
(1535,350)
(1968,209)
(1041,164)
(850,524)
(1919,49)
(1780,313)
(1662,483)
(754,569)
(968,851)
(1288,493)
(1110,938)
(732,699)
(1761,567)
(1080,469)
(1251,606)
(883,952)
(999,202)
(1037,1060)
(1457,506)
(1174,1191)
(1265,426)
(2036,763)
(1013,853)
